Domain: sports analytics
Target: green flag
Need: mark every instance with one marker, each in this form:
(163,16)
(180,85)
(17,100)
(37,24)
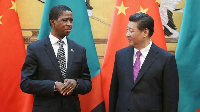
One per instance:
(188,58)
(81,34)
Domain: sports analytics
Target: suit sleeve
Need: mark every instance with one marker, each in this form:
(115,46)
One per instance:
(113,95)
(29,83)
(170,86)
(84,81)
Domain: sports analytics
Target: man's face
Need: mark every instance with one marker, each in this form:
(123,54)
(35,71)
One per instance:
(63,25)
(134,35)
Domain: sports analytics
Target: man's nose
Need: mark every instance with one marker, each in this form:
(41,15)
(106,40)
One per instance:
(127,34)
(69,23)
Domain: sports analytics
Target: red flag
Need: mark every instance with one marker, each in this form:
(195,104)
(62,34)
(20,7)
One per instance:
(117,37)
(11,60)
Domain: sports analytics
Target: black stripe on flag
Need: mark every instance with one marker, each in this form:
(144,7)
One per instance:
(99,108)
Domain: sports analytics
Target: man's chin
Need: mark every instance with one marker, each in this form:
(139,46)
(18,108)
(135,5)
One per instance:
(131,44)
(67,33)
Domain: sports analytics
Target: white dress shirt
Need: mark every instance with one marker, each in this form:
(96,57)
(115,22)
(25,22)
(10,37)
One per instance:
(144,52)
(55,46)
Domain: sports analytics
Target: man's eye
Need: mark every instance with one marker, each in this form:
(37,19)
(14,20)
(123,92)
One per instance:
(71,20)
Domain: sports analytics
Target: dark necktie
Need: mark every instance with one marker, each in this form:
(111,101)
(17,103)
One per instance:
(61,58)
(136,67)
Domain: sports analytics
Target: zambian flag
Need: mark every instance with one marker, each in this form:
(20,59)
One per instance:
(188,58)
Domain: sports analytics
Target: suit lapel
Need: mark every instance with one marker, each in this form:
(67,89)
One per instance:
(151,57)
(70,54)
(129,61)
(50,52)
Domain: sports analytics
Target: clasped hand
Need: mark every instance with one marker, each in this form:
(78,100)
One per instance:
(67,87)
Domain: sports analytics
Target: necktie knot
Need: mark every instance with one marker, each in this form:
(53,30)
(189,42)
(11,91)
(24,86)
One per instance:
(60,42)
(138,53)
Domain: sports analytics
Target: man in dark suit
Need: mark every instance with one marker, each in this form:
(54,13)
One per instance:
(55,70)
(145,77)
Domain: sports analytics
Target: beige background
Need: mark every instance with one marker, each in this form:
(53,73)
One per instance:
(30,13)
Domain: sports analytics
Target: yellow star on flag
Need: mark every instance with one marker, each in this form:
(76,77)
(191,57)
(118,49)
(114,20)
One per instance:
(157,1)
(122,9)
(13,6)
(0,19)
(143,10)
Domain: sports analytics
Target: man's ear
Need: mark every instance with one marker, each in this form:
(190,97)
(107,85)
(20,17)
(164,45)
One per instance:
(145,32)
(52,22)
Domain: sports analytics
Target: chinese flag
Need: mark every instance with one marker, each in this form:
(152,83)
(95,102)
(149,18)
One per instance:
(117,37)
(11,60)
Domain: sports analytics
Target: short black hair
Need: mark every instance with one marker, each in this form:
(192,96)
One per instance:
(144,21)
(56,11)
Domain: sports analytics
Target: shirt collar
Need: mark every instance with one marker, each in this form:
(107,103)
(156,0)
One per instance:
(145,50)
(54,40)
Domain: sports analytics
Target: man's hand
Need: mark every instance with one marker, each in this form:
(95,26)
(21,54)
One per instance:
(70,85)
(59,86)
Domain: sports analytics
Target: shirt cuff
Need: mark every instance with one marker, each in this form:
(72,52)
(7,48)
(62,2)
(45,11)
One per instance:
(55,86)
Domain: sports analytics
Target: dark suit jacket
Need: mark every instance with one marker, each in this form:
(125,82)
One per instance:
(156,88)
(41,70)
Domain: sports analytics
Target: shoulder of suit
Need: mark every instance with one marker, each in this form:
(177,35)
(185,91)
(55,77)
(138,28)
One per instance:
(124,49)
(75,44)
(38,43)
(161,51)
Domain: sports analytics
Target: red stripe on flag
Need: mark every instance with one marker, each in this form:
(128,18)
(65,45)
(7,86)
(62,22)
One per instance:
(198,110)
(94,97)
